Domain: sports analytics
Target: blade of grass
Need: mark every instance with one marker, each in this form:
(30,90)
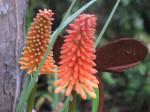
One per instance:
(31,98)
(25,95)
(69,11)
(66,105)
(107,23)
(25,85)
(95,104)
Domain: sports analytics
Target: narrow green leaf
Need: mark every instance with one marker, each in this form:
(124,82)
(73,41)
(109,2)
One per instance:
(107,23)
(25,85)
(31,98)
(66,105)
(95,102)
(69,11)
(26,94)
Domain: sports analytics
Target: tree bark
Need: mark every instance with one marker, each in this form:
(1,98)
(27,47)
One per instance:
(12,16)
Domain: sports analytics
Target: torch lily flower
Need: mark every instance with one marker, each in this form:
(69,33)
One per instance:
(76,70)
(37,43)
(116,56)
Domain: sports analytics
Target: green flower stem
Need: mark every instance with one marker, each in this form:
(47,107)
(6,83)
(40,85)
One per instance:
(30,102)
(95,101)
(101,95)
(72,103)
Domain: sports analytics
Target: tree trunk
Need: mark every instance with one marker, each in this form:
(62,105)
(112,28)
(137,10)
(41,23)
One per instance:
(12,16)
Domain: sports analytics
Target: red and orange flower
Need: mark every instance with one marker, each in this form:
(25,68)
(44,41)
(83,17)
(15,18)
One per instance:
(76,70)
(37,42)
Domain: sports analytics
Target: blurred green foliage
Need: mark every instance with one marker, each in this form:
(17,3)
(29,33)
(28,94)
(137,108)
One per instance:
(125,92)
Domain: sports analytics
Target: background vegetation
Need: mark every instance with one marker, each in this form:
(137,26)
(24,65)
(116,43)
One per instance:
(125,92)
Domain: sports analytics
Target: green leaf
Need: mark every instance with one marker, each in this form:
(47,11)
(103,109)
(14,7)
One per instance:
(30,102)
(25,85)
(66,105)
(69,11)
(95,102)
(107,23)
(26,94)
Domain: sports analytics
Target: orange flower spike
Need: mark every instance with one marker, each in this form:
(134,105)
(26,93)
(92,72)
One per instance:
(37,43)
(76,70)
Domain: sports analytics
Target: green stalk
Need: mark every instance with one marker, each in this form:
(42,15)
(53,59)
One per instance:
(107,23)
(95,101)
(72,103)
(30,102)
